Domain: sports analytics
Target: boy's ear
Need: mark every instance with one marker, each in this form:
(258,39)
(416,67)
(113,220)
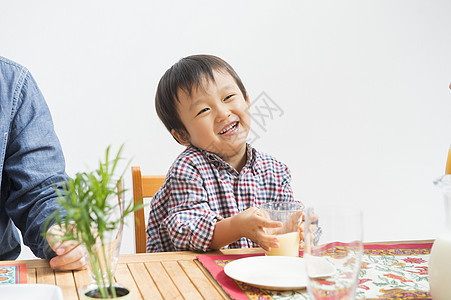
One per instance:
(181,136)
(247,99)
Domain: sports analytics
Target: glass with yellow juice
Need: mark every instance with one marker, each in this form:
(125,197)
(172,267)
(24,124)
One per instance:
(448,162)
(290,214)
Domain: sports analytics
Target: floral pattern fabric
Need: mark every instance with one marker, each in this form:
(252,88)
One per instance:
(397,271)
(13,274)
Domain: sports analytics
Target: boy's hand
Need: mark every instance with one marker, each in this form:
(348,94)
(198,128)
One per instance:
(250,223)
(301,232)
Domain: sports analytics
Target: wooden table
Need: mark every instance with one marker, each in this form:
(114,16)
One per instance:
(165,275)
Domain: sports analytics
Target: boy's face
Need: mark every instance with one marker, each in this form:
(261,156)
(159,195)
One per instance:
(216,117)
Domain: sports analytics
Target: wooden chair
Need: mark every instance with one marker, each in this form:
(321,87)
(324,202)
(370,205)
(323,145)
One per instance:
(144,186)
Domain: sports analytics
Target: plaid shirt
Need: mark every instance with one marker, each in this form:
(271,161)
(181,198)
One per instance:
(201,189)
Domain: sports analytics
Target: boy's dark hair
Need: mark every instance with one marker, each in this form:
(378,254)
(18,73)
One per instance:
(186,74)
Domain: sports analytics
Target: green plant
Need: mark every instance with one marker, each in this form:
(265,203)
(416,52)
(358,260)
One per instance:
(90,211)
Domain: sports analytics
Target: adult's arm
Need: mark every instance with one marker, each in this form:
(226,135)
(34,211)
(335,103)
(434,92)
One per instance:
(34,165)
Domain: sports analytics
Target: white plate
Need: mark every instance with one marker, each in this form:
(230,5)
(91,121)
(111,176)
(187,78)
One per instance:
(30,291)
(272,272)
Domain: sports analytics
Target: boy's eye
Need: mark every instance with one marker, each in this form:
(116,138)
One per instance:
(228,97)
(202,111)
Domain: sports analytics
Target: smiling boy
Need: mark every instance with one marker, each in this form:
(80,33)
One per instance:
(210,196)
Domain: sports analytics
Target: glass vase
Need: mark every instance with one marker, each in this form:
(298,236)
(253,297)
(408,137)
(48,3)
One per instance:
(103,256)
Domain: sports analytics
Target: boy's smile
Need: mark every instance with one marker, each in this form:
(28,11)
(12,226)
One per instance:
(230,130)
(217,118)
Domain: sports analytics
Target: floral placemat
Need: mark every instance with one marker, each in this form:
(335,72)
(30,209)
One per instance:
(13,274)
(397,271)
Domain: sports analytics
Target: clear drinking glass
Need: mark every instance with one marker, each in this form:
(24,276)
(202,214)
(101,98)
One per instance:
(440,259)
(333,238)
(289,213)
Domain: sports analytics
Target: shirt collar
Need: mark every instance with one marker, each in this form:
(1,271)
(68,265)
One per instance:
(252,161)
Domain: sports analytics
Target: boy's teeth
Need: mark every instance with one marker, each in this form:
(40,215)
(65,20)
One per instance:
(228,128)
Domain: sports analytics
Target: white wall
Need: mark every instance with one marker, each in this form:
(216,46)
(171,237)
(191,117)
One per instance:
(363,87)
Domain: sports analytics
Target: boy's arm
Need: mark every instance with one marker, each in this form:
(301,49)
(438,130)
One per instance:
(248,224)
(181,218)
(224,234)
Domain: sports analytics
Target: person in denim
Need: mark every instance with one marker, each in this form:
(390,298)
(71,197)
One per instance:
(32,165)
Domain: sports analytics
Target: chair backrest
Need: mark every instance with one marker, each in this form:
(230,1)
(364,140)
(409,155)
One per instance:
(144,186)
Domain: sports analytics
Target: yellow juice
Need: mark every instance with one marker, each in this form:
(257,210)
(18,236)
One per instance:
(288,245)
(448,163)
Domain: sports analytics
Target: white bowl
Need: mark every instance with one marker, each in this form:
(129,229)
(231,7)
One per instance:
(30,291)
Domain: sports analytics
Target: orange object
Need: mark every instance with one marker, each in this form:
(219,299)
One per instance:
(144,186)
(448,162)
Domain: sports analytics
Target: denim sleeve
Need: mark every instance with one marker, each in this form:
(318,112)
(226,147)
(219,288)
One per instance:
(34,166)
